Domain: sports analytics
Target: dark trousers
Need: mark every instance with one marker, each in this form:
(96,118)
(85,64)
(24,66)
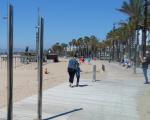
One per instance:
(71,74)
(145,74)
(78,78)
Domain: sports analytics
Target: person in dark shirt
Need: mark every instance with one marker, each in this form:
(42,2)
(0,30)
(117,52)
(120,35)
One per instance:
(103,68)
(145,62)
(72,66)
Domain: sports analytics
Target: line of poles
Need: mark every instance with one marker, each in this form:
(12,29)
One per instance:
(40,60)
(10,65)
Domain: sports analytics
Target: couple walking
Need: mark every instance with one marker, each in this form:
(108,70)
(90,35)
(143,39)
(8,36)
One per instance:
(73,68)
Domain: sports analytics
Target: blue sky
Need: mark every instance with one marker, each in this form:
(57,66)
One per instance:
(64,20)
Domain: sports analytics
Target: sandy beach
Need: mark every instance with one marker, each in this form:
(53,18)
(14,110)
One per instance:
(25,81)
(25,78)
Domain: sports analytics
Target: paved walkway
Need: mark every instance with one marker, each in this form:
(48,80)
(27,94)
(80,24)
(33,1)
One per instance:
(105,99)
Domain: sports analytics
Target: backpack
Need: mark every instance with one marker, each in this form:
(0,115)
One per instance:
(72,64)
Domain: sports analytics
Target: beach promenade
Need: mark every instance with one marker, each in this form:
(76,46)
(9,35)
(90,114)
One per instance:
(113,96)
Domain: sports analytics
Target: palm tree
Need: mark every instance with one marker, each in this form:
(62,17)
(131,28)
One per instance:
(100,49)
(57,48)
(148,22)
(113,36)
(80,40)
(133,9)
(108,44)
(77,44)
(124,38)
(64,46)
(86,41)
(94,45)
(73,43)
(70,44)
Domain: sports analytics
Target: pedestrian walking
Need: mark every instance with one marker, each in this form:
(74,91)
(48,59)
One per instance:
(103,68)
(72,66)
(145,60)
(78,70)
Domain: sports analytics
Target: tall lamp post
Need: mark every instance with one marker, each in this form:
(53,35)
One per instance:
(37,33)
(145,26)
(10,64)
(113,43)
(40,68)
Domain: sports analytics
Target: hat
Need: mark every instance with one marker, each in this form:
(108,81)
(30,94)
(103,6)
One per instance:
(75,55)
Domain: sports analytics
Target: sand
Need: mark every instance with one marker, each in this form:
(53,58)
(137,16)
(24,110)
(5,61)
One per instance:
(25,78)
(25,81)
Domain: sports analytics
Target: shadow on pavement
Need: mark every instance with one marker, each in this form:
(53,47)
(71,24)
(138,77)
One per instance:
(75,110)
(147,83)
(98,80)
(83,85)
(80,86)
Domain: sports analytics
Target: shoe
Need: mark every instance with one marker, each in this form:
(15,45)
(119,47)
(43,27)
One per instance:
(146,83)
(71,85)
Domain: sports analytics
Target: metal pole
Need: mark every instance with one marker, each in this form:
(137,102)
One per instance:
(37,33)
(94,72)
(136,50)
(40,68)
(113,43)
(10,64)
(145,28)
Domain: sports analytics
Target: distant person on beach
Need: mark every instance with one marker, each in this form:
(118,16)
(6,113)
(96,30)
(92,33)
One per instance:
(82,59)
(145,62)
(103,68)
(78,74)
(72,67)
(89,60)
(109,60)
(129,64)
